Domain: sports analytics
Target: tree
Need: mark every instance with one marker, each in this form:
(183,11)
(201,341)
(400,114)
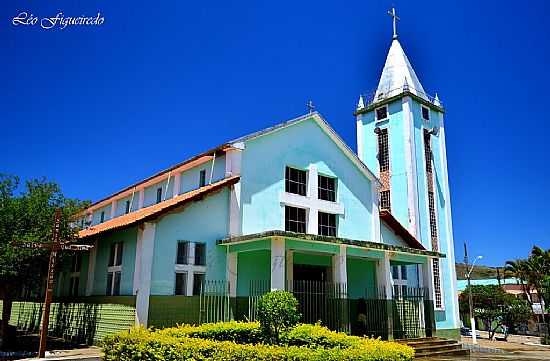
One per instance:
(496,308)
(533,274)
(277,311)
(27,217)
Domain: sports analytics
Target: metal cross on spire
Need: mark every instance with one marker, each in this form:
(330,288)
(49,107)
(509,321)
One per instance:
(394,18)
(310,106)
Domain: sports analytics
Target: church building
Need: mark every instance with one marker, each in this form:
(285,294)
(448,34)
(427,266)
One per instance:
(292,207)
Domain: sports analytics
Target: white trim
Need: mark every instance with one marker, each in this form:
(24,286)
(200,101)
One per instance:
(360,139)
(340,266)
(141,198)
(296,200)
(410,164)
(113,208)
(383,274)
(290,267)
(231,272)
(235,223)
(177,185)
(137,265)
(144,291)
(278,263)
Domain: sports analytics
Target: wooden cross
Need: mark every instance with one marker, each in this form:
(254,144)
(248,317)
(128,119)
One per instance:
(55,246)
(394,18)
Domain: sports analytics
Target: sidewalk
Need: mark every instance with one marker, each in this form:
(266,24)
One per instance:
(81,354)
(518,347)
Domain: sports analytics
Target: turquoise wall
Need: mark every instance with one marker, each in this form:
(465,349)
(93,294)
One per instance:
(361,277)
(96,216)
(129,238)
(302,144)
(205,221)
(252,266)
(190,178)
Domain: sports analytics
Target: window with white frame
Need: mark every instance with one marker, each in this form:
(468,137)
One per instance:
(74,279)
(326,188)
(327,224)
(183,252)
(114,269)
(200,254)
(198,282)
(425,113)
(382,113)
(295,219)
(181,284)
(399,275)
(295,181)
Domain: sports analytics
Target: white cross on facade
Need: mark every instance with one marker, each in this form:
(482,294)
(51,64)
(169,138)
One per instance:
(394,18)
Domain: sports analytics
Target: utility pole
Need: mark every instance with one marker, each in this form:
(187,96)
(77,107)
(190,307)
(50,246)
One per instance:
(55,246)
(468,277)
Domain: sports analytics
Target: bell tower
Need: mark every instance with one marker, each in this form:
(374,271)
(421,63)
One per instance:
(401,137)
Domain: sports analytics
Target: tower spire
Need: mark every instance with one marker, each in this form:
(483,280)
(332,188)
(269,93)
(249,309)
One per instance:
(394,19)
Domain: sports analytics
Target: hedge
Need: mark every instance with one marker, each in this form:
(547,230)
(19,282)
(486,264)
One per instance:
(184,343)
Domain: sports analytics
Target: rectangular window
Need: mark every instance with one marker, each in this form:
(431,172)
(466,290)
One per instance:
(115,256)
(198,282)
(181,284)
(113,284)
(202,178)
(385,200)
(295,181)
(183,253)
(127,207)
(382,113)
(76,261)
(73,286)
(327,224)
(404,272)
(200,254)
(383,150)
(326,188)
(395,272)
(437,284)
(102,217)
(425,113)
(159,195)
(295,219)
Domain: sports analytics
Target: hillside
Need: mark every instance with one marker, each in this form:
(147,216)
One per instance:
(480,272)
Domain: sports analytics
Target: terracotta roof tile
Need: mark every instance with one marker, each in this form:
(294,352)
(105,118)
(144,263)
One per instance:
(401,231)
(154,211)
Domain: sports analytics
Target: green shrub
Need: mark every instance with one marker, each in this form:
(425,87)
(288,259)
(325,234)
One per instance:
(277,312)
(142,344)
(318,336)
(239,332)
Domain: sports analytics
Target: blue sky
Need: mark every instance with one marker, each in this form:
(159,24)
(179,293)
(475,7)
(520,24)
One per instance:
(96,109)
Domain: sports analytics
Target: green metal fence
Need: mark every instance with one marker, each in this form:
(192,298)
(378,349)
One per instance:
(81,323)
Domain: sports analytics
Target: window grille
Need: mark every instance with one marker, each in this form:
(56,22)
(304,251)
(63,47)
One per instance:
(385,200)
(326,188)
(198,282)
(383,150)
(200,254)
(295,181)
(295,219)
(326,224)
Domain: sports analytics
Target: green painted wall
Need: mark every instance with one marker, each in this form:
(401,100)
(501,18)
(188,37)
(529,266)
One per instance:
(361,277)
(83,322)
(252,266)
(129,238)
(312,259)
(168,311)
